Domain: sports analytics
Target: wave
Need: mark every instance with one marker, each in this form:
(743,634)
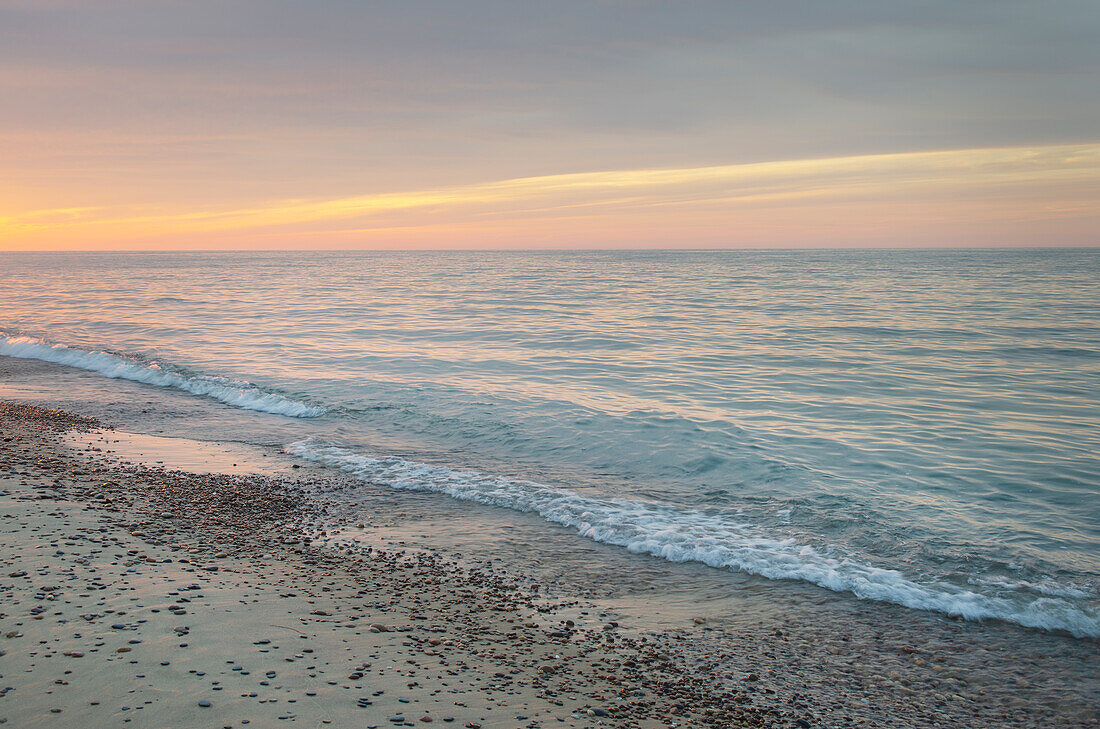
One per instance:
(237,393)
(682,535)
(1045,587)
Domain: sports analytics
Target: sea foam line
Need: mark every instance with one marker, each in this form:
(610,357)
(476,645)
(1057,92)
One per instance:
(682,535)
(231,392)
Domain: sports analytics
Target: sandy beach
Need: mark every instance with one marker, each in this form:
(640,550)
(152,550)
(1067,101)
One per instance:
(137,592)
(169,599)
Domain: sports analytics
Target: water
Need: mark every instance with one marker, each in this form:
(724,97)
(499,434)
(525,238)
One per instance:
(913,427)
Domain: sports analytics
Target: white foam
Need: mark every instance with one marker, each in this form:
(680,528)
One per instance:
(1046,586)
(231,392)
(682,535)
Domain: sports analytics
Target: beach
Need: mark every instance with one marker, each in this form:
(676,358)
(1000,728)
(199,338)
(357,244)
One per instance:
(147,595)
(612,365)
(198,600)
(833,490)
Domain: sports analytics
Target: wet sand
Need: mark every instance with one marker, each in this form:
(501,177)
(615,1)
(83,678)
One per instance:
(135,592)
(172,599)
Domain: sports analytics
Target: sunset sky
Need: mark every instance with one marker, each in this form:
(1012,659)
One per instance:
(148,124)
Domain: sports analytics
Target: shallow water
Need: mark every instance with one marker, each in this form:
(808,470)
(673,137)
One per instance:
(912,427)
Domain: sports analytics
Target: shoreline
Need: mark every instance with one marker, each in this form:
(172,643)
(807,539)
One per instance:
(261,548)
(410,619)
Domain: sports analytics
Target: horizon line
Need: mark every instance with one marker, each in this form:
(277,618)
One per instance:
(654,249)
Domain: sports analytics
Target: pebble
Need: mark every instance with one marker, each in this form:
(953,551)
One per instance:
(491,624)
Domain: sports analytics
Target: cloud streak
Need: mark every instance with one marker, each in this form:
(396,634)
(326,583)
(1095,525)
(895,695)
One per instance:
(1026,184)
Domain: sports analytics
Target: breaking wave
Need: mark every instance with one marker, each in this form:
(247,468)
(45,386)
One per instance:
(237,393)
(719,540)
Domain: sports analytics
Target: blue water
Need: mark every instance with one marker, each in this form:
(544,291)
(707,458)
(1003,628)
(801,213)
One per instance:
(917,427)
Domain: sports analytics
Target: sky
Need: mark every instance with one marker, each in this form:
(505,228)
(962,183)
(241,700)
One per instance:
(241,124)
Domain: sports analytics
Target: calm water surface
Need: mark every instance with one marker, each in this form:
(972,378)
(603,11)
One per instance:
(915,427)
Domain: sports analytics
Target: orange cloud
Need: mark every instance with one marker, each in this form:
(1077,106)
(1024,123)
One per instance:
(924,194)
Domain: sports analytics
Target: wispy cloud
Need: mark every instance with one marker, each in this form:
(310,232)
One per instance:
(1033,182)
